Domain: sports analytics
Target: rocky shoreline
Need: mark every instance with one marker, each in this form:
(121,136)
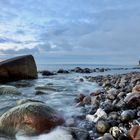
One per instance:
(83,70)
(113,112)
(110,113)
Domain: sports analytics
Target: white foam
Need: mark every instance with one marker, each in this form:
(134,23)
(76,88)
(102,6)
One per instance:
(56,134)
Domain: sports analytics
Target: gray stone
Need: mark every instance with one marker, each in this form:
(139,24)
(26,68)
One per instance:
(18,68)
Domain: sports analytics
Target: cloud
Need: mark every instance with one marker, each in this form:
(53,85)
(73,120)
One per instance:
(71,30)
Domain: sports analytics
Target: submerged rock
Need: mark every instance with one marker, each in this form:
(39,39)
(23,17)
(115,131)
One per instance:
(23,101)
(18,68)
(32,118)
(39,92)
(9,90)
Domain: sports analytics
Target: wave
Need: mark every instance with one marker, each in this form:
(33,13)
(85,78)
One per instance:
(56,134)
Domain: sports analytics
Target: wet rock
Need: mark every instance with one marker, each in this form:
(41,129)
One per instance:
(115,131)
(110,96)
(70,122)
(82,70)
(32,118)
(136,89)
(79,98)
(98,115)
(128,115)
(97,92)
(47,73)
(113,116)
(122,137)
(118,105)
(134,133)
(121,95)
(79,104)
(18,68)
(79,134)
(95,100)
(102,126)
(23,101)
(9,90)
(22,84)
(132,100)
(87,70)
(62,71)
(107,136)
(81,80)
(87,100)
(106,106)
(38,92)
(48,87)
(112,91)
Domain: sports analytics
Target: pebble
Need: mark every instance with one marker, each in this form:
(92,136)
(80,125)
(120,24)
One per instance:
(127,115)
(102,126)
(98,115)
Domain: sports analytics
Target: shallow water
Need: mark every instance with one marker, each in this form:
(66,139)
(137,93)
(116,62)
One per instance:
(63,88)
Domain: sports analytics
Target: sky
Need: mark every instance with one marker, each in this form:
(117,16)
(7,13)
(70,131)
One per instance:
(71,31)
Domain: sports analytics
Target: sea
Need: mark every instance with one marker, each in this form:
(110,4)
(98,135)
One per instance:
(63,88)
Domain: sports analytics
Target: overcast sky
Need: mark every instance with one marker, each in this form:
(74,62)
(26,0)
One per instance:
(71,31)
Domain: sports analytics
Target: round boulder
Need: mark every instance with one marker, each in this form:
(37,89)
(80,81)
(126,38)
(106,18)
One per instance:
(32,118)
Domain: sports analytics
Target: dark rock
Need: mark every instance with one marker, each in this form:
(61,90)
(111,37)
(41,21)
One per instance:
(32,118)
(47,73)
(18,68)
(38,92)
(122,137)
(79,98)
(62,71)
(79,134)
(80,70)
(128,115)
(107,136)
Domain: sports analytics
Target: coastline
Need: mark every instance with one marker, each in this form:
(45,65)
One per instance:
(103,113)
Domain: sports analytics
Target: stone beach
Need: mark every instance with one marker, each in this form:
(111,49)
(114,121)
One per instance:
(81,105)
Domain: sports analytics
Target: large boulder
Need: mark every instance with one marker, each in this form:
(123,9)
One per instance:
(22,67)
(31,118)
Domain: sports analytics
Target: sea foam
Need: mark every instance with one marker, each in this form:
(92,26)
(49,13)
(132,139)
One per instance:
(56,134)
